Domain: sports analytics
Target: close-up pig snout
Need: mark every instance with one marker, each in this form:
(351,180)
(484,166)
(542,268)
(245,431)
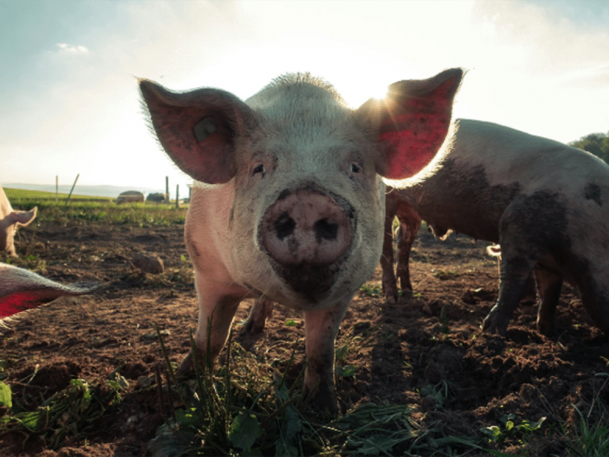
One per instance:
(307,226)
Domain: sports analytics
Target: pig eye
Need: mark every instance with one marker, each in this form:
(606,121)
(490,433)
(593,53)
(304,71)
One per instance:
(258,169)
(355,168)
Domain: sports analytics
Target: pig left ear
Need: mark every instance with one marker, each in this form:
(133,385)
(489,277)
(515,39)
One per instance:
(411,123)
(21,290)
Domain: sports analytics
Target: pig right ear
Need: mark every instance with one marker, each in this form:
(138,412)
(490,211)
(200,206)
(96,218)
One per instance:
(24,218)
(198,128)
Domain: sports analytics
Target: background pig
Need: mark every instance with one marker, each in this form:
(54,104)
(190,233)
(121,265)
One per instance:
(545,203)
(9,221)
(21,290)
(289,204)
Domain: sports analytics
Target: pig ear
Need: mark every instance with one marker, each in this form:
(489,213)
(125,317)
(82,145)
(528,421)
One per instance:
(24,218)
(411,123)
(21,290)
(198,128)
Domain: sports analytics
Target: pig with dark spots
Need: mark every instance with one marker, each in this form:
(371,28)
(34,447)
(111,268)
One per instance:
(545,203)
(288,202)
(22,290)
(10,220)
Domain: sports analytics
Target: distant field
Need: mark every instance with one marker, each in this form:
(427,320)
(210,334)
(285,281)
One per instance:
(86,209)
(21,194)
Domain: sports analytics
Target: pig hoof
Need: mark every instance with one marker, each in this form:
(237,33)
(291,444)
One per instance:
(252,327)
(546,329)
(324,400)
(494,325)
(407,293)
(186,367)
(391,299)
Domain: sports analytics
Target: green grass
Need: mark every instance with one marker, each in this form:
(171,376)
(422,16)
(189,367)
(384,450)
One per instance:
(248,408)
(23,194)
(84,210)
(71,413)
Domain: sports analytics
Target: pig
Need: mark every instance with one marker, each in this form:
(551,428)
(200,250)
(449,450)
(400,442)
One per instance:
(545,203)
(22,290)
(288,201)
(10,220)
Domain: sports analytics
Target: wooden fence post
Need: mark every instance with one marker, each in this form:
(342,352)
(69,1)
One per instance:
(167,189)
(72,190)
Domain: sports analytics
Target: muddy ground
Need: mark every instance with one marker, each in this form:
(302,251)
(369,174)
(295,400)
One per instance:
(427,351)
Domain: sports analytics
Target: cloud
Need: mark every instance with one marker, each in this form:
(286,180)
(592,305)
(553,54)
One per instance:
(72,49)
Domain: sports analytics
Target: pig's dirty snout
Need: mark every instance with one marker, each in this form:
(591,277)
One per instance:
(325,230)
(284,226)
(306,233)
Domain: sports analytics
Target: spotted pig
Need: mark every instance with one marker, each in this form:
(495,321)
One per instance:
(545,203)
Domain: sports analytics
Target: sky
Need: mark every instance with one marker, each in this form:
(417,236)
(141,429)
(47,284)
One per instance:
(69,102)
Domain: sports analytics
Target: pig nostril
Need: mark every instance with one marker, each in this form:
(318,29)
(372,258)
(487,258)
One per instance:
(325,230)
(284,226)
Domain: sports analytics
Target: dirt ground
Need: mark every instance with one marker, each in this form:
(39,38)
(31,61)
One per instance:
(428,351)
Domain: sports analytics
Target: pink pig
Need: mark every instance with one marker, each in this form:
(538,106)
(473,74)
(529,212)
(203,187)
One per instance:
(288,202)
(10,220)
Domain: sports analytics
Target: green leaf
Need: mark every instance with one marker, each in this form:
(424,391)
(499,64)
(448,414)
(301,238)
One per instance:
(244,430)
(283,449)
(527,426)
(5,395)
(293,423)
(30,420)
(347,371)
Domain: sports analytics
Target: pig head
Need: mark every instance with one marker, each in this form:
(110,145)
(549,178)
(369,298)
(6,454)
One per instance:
(10,220)
(288,202)
(21,290)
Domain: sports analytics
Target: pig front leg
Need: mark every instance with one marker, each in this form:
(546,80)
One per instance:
(261,310)
(321,328)
(218,302)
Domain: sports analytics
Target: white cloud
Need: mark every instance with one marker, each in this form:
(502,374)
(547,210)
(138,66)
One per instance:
(72,49)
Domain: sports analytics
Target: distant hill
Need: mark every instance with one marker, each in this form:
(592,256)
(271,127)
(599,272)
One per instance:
(92,191)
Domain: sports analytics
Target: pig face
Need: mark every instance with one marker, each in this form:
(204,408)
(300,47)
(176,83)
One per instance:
(300,198)
(306,216)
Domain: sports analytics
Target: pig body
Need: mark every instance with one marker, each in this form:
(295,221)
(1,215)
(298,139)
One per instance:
(545,203)
(288,203)
(10,220)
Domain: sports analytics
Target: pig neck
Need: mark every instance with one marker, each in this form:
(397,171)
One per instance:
(206,232)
